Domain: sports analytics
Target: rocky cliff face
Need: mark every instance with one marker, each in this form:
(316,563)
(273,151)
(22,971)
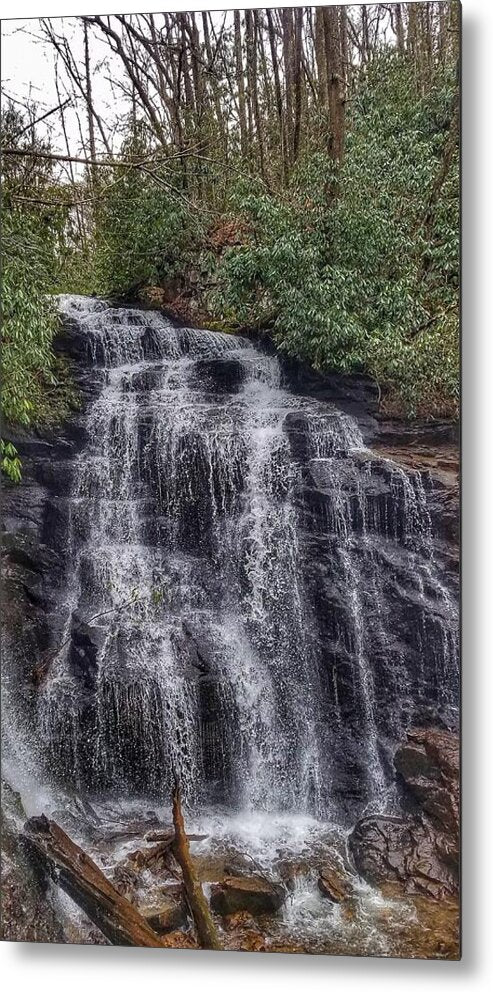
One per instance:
(328,535)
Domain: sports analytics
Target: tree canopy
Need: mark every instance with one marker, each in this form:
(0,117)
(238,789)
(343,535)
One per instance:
(292,169)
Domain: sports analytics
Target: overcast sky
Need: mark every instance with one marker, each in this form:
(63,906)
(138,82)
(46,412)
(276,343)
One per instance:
(28,73)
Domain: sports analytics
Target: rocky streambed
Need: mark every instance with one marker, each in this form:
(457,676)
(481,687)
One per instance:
(387,887)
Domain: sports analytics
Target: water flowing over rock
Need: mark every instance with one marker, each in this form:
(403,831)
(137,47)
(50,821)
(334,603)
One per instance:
(334,883)
(243,593)
(252,895)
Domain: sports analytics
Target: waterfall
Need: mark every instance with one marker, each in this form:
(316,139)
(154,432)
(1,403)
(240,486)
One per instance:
(252,599)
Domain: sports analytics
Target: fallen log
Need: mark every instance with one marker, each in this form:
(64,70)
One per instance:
(169,835)
(153,858)
(71,868)
(206,928)
(161,836)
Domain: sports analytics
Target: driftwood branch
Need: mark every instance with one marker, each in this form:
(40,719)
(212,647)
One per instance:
(77,874)
(58,857)
(206,928)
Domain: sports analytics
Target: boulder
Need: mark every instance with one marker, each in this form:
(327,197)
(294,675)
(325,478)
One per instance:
(27,914)
(428,762)
(402,851)
(334,883)
(419,852)
(167,914)
(254,894)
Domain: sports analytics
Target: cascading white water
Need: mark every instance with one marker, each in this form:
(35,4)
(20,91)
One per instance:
(239,556)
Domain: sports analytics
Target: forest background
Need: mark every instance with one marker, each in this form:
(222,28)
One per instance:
(292,170)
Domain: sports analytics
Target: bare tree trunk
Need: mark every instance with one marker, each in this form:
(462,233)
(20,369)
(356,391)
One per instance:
(213,84)
(288,55)
(90,121)
(277,91)
(365,34)
(240,82)
(399,29)
(334,77)
(263,63)
(320,57)
(186,69)
(297,67)
(75,872)
(206,928)
(78,212)
(251,23)
(343,29)
(412,31)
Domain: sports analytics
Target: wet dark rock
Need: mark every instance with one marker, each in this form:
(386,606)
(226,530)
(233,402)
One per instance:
(353,393)
(220,375)
(420,851)
(251,894)
(429,763)
(194,649)
(432,448)
(86,639)
(401,851)
(27,912)
(334,883)
(166,914)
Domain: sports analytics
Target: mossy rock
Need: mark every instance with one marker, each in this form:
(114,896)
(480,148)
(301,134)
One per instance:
(221,325)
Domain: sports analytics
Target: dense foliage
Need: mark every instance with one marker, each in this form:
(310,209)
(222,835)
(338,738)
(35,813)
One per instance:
(359,271)
(144,232)
(35,386)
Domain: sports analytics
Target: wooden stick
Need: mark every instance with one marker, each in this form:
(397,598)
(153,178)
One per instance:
(71,868)
(206,928)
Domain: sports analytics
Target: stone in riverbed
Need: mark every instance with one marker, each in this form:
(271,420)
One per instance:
(237,921)
(402,851)
(420,852)
(253,894)
(179,939)
(243,932)
(169,914)
(333,883)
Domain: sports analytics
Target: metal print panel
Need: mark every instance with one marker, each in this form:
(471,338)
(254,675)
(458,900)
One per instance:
(230,668)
